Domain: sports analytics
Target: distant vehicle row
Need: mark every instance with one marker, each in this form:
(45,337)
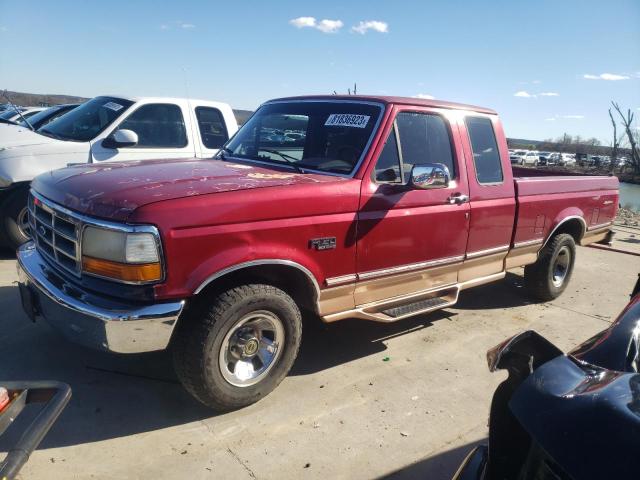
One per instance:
(535,158)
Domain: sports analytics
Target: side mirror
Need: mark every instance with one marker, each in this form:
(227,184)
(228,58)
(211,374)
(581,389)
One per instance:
(429,175)
(120,139)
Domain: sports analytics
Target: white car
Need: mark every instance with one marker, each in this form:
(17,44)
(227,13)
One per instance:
(517,157)
(105,128)
(530,158)
(13,116)
(568,159)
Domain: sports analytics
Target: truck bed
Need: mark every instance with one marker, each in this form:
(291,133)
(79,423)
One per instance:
(542,200)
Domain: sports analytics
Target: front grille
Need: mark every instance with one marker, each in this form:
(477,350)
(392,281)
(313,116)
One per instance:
(56,234)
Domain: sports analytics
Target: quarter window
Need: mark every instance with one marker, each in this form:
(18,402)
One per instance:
(424,138)
(213,130)
(485,150)
(158,125)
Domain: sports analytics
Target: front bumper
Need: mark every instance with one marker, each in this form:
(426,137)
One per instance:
(88,319)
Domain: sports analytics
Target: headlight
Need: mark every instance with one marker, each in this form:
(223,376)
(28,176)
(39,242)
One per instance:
(125,256)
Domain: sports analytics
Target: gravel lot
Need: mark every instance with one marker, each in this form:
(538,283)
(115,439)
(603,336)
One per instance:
(365,400)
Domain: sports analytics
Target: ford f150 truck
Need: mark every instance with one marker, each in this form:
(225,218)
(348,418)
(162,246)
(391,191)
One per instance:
(374,208)
(105,128)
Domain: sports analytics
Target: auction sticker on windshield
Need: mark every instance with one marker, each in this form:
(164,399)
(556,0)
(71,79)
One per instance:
(347,120)
(113,106)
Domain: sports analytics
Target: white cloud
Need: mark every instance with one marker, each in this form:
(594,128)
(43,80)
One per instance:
(523,94)
(324,25)
(549,94)
(330,26)
(375,25)
(536,82)
(171,25)
(606,76)
(302,22)
(551,119)
(577,117)
(424,96)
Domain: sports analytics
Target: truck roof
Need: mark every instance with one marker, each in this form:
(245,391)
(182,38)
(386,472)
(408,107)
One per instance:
(393,100)
(163,99)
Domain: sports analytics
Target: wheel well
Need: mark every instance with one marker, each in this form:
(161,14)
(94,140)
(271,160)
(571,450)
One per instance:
(288,278)
(573,227)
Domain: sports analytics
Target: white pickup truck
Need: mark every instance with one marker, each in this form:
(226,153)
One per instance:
(105,128)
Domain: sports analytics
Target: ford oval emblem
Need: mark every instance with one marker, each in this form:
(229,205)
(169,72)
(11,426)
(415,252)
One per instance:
(42,231)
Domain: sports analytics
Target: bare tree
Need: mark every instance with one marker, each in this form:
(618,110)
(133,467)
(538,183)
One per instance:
(616,143)
(627,121)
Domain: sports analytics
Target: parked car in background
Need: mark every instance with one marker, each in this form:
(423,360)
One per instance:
(12,115)
(216,258)
(106,128)
(517,157)
(567,159)
(530,158)
(43,117)
(543,158)
(565,417)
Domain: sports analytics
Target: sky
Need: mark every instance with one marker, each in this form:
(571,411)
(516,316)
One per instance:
(547,67)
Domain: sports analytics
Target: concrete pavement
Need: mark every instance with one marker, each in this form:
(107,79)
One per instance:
(364,400)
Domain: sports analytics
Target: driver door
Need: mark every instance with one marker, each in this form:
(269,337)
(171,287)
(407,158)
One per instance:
(162,133)
(411,240)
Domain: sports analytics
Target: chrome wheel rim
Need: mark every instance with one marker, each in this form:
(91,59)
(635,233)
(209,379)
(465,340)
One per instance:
(251,348)
(561,266)
(23,222)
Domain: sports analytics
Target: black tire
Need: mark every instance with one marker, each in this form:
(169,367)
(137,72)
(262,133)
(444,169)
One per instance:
(545,279)
(199,339)
(13,210)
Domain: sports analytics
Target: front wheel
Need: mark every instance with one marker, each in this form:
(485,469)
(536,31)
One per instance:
(15,218)
(235,349)
(549,276)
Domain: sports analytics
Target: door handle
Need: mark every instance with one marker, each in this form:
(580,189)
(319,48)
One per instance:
(458,198)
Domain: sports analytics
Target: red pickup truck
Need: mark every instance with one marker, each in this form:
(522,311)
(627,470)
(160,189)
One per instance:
(376,208)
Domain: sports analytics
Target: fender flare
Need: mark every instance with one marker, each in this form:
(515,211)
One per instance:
(564,220)
(253,263)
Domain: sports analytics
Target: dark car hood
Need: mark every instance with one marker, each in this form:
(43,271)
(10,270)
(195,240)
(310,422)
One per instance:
(586,418)
(114,190)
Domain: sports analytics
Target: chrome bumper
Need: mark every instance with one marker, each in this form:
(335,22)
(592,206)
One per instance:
(88,319)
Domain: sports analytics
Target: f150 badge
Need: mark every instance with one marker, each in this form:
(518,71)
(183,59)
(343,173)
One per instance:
(325,243)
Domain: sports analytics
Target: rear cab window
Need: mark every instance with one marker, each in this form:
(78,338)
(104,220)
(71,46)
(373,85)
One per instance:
(486,157)
(158,125)
(213,130)
(416,138)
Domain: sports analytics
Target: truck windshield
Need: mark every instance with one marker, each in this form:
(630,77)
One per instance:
(88,120)
(326,136)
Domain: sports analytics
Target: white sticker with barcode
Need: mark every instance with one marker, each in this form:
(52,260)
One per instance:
(347,120)
(113,106)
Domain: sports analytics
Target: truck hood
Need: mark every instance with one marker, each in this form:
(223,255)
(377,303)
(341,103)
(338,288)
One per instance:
(115,190)
(13,137)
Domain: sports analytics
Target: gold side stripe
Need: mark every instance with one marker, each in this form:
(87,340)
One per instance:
(340,280)
(488,251)
(600,225)
(528,243)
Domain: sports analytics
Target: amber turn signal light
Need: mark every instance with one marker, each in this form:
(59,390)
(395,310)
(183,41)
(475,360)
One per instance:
(144,272)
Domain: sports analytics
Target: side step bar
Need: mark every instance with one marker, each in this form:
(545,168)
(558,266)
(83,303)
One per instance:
(394,309)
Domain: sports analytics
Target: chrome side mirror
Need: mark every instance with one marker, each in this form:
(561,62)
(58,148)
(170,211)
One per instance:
(429,175)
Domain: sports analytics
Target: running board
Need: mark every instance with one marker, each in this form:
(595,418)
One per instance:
(394,309)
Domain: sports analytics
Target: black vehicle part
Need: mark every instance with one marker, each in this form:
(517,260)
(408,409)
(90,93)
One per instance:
(509,443)
(54,396)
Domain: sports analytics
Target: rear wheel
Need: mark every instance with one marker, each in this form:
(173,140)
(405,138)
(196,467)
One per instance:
(15,220)
(548,277)
(234,350)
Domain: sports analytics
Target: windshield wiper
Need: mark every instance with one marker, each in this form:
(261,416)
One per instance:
(18,111)
(292,161)
(222,152)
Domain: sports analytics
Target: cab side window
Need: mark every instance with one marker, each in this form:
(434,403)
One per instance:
(423,138)
(158,125)
(485,150)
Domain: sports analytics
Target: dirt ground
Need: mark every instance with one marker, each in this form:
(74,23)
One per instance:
(365,400)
